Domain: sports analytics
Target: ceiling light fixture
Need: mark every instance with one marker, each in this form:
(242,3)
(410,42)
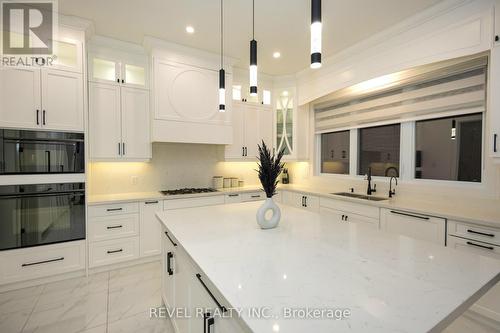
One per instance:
(276,55)
(316,27)
(222,73)
(190,29)
(253,56)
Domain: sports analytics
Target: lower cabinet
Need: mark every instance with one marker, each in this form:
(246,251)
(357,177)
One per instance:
(199,307)
(41,261)
(301,200)
(150,241)
(113,251)
(423,227)
(347,217)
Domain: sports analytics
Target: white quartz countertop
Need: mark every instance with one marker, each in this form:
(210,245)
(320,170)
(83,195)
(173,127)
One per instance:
(389,283)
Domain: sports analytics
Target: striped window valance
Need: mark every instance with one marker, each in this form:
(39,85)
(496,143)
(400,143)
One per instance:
(442,90)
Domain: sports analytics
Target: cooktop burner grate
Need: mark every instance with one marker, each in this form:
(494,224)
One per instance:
(188,191)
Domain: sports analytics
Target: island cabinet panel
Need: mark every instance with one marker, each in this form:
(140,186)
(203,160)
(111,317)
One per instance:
(301,200)
(150,240)
(418,226)
(185,287)
(351,207)
(347,217)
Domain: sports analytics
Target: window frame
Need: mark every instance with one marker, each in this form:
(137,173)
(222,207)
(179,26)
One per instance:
(406,157)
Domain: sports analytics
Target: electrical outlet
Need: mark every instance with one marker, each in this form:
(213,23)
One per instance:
(134,180)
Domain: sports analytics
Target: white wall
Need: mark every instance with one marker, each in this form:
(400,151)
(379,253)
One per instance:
(174,165)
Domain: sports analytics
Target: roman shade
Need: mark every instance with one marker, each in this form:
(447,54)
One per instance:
(442,89)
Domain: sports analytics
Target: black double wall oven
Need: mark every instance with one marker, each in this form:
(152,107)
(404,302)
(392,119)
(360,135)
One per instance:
(41,213)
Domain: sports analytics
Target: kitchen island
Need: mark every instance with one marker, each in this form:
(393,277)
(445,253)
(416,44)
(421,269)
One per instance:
(278,280)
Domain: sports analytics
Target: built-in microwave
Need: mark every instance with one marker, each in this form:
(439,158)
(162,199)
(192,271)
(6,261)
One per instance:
(41,152)
(40,214)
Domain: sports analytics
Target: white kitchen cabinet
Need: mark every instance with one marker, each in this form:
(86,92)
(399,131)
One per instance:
(252,124)
(68,55)
(62,100)
(493,143)
(41,99)
(150,240)
(345,206)
(20,100)
(113,226)
(301,200)
(253,196)
(113,251)
(118,68)
(119,122)
(193,202)
(423,227)
(497,23)
(232,198)
(348,217)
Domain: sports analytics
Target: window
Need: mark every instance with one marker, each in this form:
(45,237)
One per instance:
(379,150)
(449,148)
(335,152)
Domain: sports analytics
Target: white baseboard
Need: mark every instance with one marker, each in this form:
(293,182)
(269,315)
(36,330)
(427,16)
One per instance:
(124,264)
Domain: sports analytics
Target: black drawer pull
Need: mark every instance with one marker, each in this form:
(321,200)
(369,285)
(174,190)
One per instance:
(481,246)
(233,195)
(255,196)
(410,215)
(495,142)
(221,307)
(115,251)
(170,239)
(170,255)
(114,209)
(115,227)
(42,262)
(151,202)
(480,233)
(208,322)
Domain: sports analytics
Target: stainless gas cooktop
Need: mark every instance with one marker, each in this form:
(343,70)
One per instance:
(188,191)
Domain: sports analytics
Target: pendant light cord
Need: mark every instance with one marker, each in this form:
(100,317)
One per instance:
(221,33)
(253,19)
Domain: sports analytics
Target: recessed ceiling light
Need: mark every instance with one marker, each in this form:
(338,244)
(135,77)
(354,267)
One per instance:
(276,55)
(190,29)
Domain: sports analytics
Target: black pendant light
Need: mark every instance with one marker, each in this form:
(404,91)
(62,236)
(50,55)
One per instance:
(253,56)
(222,73)
(316,27)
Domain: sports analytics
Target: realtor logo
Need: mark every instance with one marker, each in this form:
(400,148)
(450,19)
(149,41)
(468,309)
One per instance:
(27,27)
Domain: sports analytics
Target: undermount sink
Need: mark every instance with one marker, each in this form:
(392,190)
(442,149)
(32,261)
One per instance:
(359,196)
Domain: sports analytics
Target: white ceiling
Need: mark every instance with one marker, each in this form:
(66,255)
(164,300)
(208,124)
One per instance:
(281,25)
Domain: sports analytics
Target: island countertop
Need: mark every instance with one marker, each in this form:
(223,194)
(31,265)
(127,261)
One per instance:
(389,283)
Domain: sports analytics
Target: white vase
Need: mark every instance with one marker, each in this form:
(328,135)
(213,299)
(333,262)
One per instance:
(273,221)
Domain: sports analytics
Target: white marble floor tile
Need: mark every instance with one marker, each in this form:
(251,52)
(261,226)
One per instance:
(14,322)
(98,329)
(20,299)
(133,299)
(141,323)
(133,276)
(69,315)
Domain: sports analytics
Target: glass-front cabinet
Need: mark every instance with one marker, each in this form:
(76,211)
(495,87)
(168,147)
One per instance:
(284,122)
(68,55)
(109,67)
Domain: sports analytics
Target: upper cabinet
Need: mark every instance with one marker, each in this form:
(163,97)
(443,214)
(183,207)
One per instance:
(497,23)
(291,125)
(68,55)
(252,124)
(119,105)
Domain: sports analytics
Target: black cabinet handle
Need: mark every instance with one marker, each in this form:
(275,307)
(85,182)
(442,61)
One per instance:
(480,233)
(170,239)
(221,307)
(42,262)
(114,209)
(481,246)
(118,80)
(38,117)
(208,322)
(233,195)
(347,218)
(123,81)
(115,227)
(170,255)
(242,151)
(115,251)
(410,215)
(343,216)
(255,196)
(43,117)
(495,136)
(151,202)
(305,201)
(119,148)
(123,148)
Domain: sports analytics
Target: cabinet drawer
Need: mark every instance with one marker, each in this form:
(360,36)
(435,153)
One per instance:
(413,225)
(113,251)
(252,196)
(232,198)
(301,200)
(112,227)
(193,202)
(474,246)
(41,261)
(113,209)
(488,235)
(346,206)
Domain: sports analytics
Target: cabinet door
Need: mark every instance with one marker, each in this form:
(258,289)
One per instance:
(62,100)
(266,126)
(135,123)
(235,150)
(169,270)
(332,215)
(293,199)
(493,144)
(104,69)
(69,55)
(135,74)
(105,121)
(413,225)
(252,122)
(20,105)
(186,93)
(150,240)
